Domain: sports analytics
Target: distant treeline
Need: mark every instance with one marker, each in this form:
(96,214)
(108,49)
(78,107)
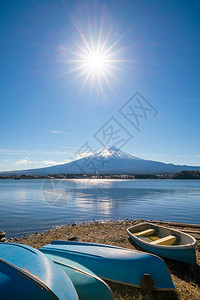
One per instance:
(187,175)
(179,175)
(89,176)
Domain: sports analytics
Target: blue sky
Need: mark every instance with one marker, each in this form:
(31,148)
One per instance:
(48,111)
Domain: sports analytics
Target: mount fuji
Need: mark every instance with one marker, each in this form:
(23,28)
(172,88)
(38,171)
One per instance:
(108,161)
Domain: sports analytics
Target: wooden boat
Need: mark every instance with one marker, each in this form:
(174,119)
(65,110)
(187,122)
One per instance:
(26,273)
(117,264)
(165,242)
(88,285)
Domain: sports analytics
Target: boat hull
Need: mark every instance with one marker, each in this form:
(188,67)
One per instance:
(26,273)
(87,284)
(114,263)
(185,253)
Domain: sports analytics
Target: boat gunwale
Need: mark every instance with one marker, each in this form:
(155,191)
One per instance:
(191,245)
(93,275)
(31,276)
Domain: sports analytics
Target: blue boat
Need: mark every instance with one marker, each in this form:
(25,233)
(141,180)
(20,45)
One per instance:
(117,264)
(88,285)
(26,273)
(165,242)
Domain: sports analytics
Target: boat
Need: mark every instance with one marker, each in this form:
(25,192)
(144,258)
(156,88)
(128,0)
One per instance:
(116,264)
(26,273)
(164,242)
(88,285)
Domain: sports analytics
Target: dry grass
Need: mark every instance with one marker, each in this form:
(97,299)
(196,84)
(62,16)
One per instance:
(186,278)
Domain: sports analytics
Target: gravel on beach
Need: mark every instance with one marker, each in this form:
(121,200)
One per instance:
(186,278)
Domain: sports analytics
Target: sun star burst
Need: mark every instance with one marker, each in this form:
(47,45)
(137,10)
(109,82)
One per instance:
(96,60)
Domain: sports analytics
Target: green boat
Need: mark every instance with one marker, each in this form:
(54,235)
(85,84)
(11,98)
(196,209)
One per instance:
(88,285)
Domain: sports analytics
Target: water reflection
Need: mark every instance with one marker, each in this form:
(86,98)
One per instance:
(94,183)
(33,205)
(59,192)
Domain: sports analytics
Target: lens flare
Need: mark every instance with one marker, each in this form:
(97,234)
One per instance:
(96,60)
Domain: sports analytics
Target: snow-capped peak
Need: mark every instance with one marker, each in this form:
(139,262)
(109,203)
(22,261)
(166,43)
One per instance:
(112,152)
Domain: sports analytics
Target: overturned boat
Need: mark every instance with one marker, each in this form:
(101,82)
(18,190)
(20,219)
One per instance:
(26,273)
(87,284)
(116,264)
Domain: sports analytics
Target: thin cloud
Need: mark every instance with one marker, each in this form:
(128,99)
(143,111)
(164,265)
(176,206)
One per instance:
(23,161)
(35,151)
(54,163)
(43,163)
(58,132)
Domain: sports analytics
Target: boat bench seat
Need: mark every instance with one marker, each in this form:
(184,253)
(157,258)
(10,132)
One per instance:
(167,240)
(145,232)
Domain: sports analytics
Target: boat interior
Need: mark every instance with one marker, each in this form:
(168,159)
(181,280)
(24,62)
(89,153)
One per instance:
(158,235)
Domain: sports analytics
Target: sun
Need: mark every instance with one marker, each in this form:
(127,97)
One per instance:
(96,59)
(95,64)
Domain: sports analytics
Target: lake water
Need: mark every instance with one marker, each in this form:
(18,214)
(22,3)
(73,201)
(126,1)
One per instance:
(29,206)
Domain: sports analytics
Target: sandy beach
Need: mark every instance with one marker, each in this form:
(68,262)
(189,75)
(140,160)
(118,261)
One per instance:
(186,278)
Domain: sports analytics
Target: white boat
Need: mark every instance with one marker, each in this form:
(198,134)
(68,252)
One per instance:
(164,242)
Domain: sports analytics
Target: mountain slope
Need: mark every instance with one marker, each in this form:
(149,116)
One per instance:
(109,160)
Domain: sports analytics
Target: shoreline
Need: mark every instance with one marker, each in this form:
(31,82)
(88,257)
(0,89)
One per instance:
(186,278)
(90,222)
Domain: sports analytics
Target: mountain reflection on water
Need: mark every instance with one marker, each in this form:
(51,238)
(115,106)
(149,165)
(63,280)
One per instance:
(28,206)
